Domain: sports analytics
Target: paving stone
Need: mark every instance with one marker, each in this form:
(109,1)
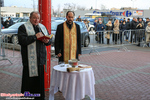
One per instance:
(119,75)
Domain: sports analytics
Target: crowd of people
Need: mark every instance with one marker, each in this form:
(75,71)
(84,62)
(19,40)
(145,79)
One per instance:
(140,30)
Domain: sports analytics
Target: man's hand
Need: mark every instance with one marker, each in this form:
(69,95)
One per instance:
(45,40)
(79,54)
(59,55)
(38,35)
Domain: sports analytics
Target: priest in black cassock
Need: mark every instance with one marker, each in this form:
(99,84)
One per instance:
(33,53)
(67,39)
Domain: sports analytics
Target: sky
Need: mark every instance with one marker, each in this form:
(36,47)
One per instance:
(141,4)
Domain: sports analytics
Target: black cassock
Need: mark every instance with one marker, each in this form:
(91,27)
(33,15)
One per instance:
(34,85)
(59,40)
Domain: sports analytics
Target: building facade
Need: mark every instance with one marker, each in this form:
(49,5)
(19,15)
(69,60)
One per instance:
(15,11)
(116,13)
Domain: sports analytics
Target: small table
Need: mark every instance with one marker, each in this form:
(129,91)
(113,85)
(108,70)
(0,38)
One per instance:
(73,85)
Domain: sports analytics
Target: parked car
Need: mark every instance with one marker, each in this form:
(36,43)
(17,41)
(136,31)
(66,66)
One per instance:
(24,19)
(58,18)
(11,33)
(85,38)
(91,24)
(85,18)
(16,19)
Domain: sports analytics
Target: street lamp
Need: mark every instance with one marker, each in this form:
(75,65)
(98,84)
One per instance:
(133,3)
(96,4)
(33,5)
(0,24)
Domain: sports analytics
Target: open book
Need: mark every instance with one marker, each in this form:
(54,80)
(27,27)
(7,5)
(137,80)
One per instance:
(46,37)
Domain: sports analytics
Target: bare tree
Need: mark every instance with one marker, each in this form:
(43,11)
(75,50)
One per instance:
(73,6)
(58,10)
(81,7)
(70,6)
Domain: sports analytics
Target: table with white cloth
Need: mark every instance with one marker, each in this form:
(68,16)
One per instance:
(73,85)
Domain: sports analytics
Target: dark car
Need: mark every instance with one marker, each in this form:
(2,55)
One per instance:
(85,38)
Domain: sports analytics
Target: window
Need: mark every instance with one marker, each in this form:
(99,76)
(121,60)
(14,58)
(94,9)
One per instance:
(25,14)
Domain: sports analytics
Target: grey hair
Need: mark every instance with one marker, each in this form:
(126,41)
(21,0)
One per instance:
(33,13)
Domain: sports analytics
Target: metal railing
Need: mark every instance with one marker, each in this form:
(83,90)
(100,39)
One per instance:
(106,38)
(111,38)
(7,48)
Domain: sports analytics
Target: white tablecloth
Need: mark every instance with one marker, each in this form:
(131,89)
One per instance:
(74,85)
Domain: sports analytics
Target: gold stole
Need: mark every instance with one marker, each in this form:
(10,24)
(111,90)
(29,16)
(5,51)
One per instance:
(70,42)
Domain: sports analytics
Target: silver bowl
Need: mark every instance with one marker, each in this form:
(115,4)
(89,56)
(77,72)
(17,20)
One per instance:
(73,62)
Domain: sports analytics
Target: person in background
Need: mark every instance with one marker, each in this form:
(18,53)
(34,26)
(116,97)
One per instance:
(139,32)
(134,23)
(145,25)
(141,21)
(95,23)
(68,39)
(109,29)
(33,53)
(147,34)
(6,23)
(2,21)
(131,25)
(142,31)
(100,28)
(116,31)
(124,19)
(99,19)
(79,19)
(10,21)
(123,27)
(121,20)
(128,28)
(86,23)
(147,20)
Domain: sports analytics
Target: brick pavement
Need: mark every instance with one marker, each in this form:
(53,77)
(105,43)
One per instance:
(119,75)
